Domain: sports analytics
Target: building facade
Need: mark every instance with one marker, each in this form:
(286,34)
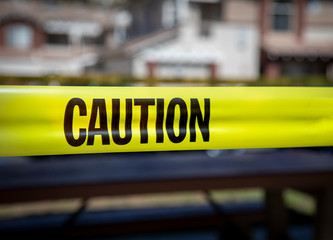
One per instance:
(296,38)
(169,39)
(190,39)
(39,38)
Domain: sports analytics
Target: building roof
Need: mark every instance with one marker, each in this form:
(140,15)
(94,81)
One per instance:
(299,49)
(41,12)
(135,45)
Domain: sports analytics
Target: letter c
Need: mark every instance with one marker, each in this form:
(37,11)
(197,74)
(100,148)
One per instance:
(68,122)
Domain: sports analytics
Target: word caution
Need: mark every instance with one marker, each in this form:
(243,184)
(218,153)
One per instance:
(174,123)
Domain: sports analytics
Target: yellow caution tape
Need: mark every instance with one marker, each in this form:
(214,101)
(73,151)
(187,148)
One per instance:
(69,120)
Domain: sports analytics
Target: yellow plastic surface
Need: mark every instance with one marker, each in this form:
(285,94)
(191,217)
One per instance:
(32,118)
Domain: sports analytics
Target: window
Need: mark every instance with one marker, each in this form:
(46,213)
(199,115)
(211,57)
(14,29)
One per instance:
(168,14)
(57,39)
(94,41)
(314,6)
(242,38)
(282,12)
(205,29)
(19,36)
(210,11)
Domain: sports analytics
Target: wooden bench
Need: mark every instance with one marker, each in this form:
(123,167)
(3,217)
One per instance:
(86,176)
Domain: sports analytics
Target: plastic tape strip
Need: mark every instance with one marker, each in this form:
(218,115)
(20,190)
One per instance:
(70,120)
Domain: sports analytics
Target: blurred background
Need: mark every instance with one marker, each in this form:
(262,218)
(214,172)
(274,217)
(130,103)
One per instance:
(158,42)
(166,43)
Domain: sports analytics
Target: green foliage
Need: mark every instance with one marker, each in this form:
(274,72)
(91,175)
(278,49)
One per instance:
(115,80)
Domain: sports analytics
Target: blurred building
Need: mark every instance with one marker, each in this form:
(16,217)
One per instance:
(219,39)
(168,39)
(40,38)
(296,38)
(190,39)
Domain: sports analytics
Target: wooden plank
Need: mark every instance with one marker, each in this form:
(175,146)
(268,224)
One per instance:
(136,167)
(119,174)
(277,217)
(324,216)
(310,180)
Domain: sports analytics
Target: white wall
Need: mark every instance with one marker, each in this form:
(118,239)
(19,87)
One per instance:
(183,71)
(233,47)
(39,66)
(319,34)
